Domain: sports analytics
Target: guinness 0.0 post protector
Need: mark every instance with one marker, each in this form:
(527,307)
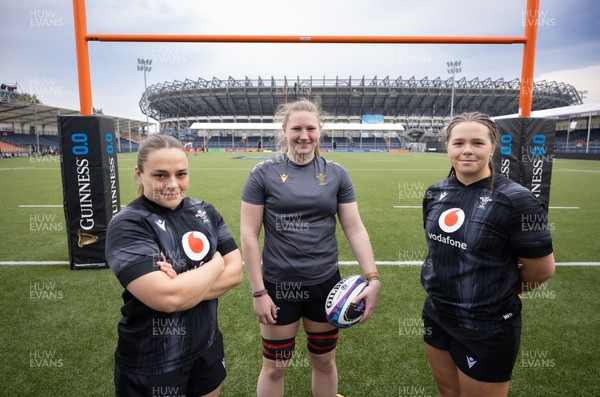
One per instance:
(525,152)
(90,180)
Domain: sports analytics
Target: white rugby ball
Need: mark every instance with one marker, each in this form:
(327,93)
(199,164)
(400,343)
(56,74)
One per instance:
(339,309)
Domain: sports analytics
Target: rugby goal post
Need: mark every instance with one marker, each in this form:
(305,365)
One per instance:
(529,38)
(94,199)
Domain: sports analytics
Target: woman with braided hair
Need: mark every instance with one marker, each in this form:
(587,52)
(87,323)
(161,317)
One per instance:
(488,240)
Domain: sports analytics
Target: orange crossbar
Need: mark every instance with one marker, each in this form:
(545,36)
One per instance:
(304,39)
(528,41)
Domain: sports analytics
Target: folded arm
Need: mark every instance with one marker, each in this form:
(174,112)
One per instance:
(160,292)
(230,278)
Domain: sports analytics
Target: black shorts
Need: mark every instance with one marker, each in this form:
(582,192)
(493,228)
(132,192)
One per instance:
(295,300)
(197,378)
(486,356)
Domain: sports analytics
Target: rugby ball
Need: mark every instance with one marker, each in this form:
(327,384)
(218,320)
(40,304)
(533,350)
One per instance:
(339,309)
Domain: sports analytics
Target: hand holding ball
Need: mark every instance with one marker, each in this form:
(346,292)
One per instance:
(339,309)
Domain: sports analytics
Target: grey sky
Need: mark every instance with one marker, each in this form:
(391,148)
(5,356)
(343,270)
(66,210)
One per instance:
(38,50)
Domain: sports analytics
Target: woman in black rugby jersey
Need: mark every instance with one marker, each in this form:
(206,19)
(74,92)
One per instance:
(488,241)
(169,339)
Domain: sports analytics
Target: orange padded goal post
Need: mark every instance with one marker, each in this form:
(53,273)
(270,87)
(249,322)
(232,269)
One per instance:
(82,37)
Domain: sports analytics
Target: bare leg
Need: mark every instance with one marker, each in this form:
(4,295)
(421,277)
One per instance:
(444,371)
(271,378)
(452,382)
(324,369)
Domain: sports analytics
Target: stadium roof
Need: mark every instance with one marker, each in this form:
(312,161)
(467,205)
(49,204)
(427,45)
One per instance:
(256,100)
(28,113)
(18,112)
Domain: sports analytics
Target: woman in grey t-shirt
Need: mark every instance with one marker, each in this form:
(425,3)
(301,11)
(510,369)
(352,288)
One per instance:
(295,197)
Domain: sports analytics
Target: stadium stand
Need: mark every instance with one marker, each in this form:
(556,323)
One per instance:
(577,130)
(412,113)
(8,150)
(418,107)
(22,123)
(413,102)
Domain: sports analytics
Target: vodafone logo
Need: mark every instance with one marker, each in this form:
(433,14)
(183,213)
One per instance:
(195,245)
(451,220)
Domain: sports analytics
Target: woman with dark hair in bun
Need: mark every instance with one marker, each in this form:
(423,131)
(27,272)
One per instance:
(174,256)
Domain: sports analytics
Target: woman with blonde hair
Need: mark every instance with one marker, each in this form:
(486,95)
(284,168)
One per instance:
(295,198)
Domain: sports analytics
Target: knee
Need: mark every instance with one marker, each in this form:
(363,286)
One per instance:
(274,369)
(321,346)
(324,363)
(448,389)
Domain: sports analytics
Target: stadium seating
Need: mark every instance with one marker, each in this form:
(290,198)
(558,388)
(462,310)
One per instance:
(126,144)
(23,144)
(576,141)
(268,143)
(27,143)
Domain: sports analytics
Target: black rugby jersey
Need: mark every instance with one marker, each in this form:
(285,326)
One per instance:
(153,342)
(300,207)
(474,237)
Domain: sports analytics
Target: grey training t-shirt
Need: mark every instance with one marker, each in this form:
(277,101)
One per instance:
(300,205)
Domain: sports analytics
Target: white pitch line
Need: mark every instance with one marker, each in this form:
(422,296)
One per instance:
(419,263)
(395,206)
(578,264)
(34,263)
(395,169)
(31,169)
(39,206)
(385,263)
(552,208)
(342,263)
(48,206)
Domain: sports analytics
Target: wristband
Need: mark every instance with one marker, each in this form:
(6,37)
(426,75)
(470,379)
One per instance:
(259,293)
(373,278)
(370,275)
